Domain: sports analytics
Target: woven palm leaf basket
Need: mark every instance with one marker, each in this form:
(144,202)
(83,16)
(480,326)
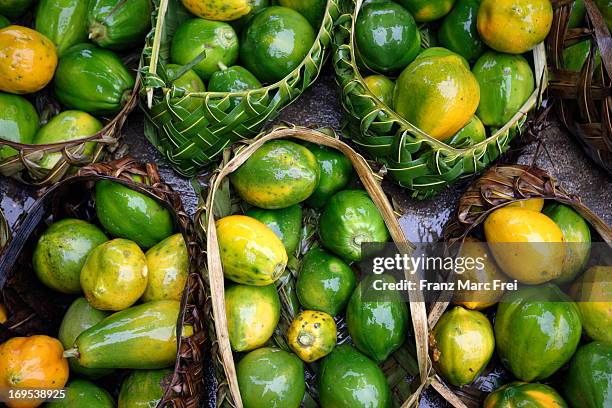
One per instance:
(44,164)
(33,308)
(410,157)
(403,369)
(580,61)
(5,231)
(500,186)
(191,141)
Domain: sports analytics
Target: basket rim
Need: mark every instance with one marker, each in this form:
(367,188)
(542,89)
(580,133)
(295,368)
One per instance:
(536,96)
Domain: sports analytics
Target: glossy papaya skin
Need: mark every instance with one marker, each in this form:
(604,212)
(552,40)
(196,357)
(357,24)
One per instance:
(118,24)
(20,122)
(129,214)
(79,317)
(168,269)
(259,50)
(141,337)
(472,133)
(348,378)
(219,10)
(279,174)
(591,290)
(190,82)
(256,7)
(83,393)
(325,282)
(143,388)
(286,223)
(14,8)
(428,10)
(252,315)
(4,22)
(68,125)
(350,218)
(270,377)
(537,329)
(233,79)
(61,251)
(462,345)
(311,9)
(575,56)
(336,171)
(459,32)
(587,382)
(93,80)
(506,82)
(312,335)
(577,14)
(62,21)
(520,394)
(377,327)
(576,234)
(381,87)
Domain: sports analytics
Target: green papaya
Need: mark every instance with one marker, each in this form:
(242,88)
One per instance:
(349,219)
(377,327)
(189,82)
(83,393)
(256,7)
(19,120)
(270,377)
(325,282)
(313,10)
(347,378)
(285,222)
(428,10)
(143,388)
(66,126)
(605,6)
(93,80)
(231,80)
(4,22)
(575,56)
(472,133)
(381,87)
(129,214)
(119,24)
(588,382)
(537,329)
(520,394)
(14,8)
(168,269)
(336,172)
(591,292)
(577,14)
(62,21)
(459,32)
(61,251)
(141,337)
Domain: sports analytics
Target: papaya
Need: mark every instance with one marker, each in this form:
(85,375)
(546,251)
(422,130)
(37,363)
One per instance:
(313,10)
(126,213)
(576,235)
(14,8)
(4,22)
(325,282)
(62,21)
(61,251)
(443,52)
(381,87)
(233,79)
(605,6)
(535,204)
(19,120)
(286,223)
(168,269)
(3,314)
(270,377)
(588,380)
(472,133)
(349,219)
(219,10)
(347,378)
(114,275)
(29,363)
(537,329)
(575,56)
(520,394)
(83,393)
(250,252)
(142,337)
(514,26)
(386,37)
(577,14)
(377,327)
(462,345)
(21,75)
(93,80)
(527,245)
(259,49)
(256,7)
(278,175)
(336,171)
(79,317)
(459,32)
(428,10)
(66,126)
(252,315)
(218,40)
(143,388)
(119,24)
(190,82)
(592,292)
(312,335)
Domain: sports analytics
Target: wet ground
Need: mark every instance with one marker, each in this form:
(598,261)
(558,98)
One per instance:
(422,220)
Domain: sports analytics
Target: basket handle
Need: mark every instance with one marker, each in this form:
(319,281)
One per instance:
(602,33)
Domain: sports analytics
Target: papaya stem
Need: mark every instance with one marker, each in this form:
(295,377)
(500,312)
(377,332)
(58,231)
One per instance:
(97,31)
(72,353)
(305,339)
